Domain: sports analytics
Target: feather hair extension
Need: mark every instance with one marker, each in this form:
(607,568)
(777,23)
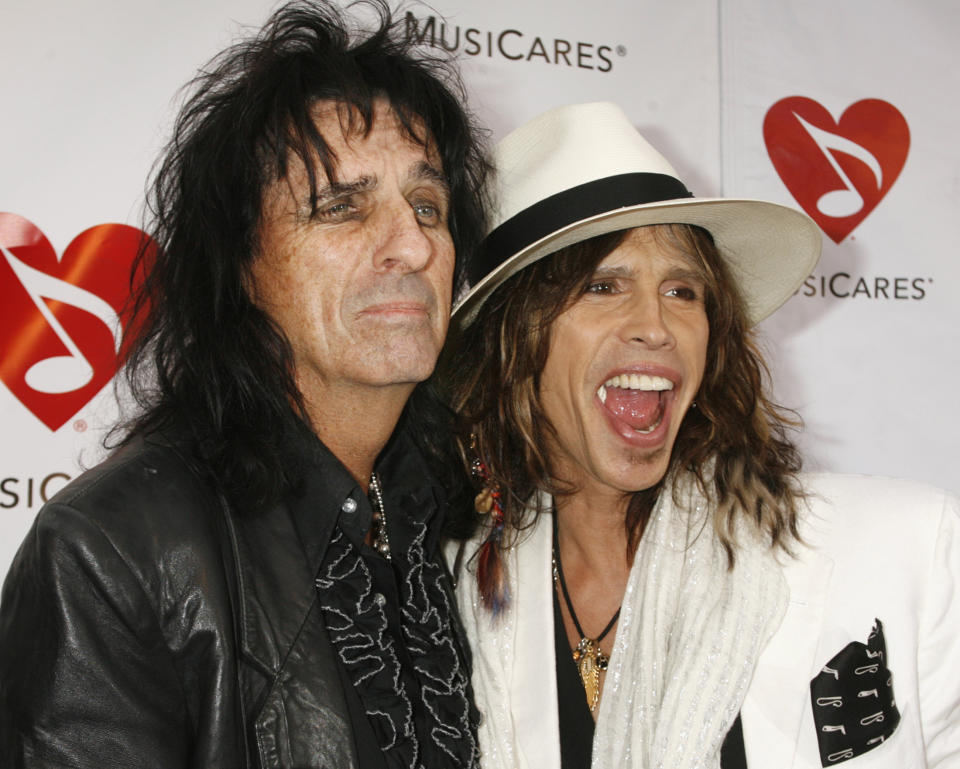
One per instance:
(491,573)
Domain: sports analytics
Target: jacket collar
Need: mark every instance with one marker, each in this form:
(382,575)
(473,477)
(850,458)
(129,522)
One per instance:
(772,721)
(322,487)
(279,553)
(317,500)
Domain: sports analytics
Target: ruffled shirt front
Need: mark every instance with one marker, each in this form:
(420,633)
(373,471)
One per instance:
(392,623)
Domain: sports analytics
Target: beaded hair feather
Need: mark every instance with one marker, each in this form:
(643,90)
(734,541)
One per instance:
(491,574)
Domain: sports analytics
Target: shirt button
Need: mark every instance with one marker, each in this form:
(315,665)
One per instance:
(349,505)
(379,599)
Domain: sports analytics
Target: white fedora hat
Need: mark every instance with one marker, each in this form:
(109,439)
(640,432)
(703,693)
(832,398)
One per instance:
(583,170)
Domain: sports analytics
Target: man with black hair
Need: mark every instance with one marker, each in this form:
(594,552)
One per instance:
(252,578)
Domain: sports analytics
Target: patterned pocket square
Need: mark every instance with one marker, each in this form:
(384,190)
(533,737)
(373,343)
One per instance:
(852,698)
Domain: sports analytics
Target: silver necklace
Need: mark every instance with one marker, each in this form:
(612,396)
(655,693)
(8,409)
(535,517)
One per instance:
(381,542)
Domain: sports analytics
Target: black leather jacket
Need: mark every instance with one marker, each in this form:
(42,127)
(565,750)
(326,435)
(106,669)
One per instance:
(143,625)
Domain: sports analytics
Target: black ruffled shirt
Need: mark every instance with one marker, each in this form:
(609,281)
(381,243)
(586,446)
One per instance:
(392,624)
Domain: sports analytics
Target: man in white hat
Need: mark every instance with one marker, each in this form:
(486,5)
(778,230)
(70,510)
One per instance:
(653,582)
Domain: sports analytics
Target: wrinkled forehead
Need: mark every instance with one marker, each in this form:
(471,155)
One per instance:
(344,127)
(682,243)
(679,245)
(339,143)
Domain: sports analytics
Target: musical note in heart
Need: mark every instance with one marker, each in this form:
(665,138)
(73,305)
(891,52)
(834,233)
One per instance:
(846,201)
(60,318)
(60,373)
(838,171)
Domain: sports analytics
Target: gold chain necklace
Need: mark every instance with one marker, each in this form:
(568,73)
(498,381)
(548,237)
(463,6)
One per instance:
(590,660)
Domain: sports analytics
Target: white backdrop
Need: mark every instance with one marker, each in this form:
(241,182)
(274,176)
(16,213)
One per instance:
(783,100)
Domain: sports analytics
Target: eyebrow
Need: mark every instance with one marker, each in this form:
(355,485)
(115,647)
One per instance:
(686,273)
(339,189)
(623,271)
(612,272)
(423,171)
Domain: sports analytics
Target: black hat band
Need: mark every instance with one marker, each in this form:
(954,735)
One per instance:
(576,204)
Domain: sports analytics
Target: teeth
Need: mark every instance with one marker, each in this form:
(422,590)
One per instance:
(602,394)
(651,428)
(636,382)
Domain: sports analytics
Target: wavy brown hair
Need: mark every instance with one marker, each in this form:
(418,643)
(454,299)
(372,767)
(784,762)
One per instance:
(735,442)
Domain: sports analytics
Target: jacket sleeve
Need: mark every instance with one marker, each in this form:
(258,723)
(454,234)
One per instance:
(86,678)
(939,650)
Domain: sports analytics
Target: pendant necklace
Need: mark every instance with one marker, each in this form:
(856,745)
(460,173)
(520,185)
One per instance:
(381,543)
(590,660)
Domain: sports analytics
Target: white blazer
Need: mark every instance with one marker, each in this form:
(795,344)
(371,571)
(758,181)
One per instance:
(873,549)
(876,549)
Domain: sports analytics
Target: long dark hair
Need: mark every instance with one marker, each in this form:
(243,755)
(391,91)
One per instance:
(200,357)
(735,442)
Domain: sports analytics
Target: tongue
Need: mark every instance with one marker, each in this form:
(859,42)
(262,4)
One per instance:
(640,409)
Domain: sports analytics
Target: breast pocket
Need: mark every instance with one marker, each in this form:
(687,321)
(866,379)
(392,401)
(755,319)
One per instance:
(901,750)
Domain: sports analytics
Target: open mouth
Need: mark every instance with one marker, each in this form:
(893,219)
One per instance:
(637,400)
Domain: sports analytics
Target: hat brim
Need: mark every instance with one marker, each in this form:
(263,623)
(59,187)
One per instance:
(769,249)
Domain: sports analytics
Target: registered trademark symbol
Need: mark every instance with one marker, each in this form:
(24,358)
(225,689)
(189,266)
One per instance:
(621,50)
(80,425)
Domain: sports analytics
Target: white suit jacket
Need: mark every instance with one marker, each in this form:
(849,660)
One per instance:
(873,549)
(876,549)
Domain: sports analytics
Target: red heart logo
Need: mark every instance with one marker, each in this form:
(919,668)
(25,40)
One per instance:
(62,319)
(838,171)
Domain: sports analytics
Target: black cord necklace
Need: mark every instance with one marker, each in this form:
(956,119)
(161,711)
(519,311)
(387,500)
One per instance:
(590,660)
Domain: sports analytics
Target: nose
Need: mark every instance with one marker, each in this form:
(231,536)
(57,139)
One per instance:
(645,322)
(404,246)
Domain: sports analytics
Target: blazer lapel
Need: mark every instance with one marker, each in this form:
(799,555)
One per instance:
(773,712)
(298,709)
(275,585)
(533,679)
